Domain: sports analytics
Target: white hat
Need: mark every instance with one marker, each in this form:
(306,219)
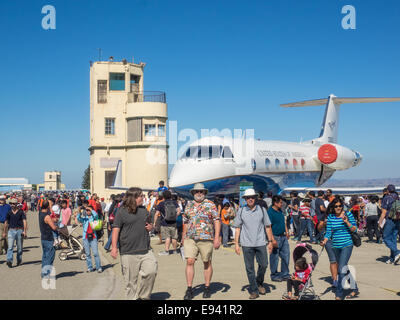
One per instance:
(198,186)
(249,193)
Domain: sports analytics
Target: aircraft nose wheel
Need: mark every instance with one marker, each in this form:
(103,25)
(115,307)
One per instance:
(82,256)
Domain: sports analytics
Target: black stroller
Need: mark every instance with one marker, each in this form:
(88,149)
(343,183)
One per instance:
(307,291)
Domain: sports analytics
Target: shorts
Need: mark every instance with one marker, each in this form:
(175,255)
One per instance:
(194,247)
(330,252)
(169,232)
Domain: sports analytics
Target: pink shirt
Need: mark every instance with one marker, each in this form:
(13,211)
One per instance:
(66,215)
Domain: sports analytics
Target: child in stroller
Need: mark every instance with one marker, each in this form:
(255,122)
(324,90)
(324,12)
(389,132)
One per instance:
(71,245)
(301,279)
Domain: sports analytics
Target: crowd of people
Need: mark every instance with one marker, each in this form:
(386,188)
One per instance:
(260,230)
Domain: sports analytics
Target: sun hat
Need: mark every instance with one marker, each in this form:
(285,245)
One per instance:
(249,193)
(197,187)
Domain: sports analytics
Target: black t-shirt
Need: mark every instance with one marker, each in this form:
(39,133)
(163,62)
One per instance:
(133,237)
(161,208)
(293,202)
(318,203)
(16,220)
(45,230)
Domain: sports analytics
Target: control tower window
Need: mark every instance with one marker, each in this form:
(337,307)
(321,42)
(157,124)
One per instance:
(117,81)
(149,130)
(161,130)
(102,91)
(135,83)
(109,126)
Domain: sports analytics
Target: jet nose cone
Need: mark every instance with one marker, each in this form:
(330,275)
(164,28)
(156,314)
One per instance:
(357,158)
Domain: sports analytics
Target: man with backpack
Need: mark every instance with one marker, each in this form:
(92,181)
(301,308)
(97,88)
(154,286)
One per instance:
(391,213)
(168,211)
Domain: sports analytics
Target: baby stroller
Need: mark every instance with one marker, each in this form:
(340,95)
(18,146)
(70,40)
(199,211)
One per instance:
(305,250)
(73,246)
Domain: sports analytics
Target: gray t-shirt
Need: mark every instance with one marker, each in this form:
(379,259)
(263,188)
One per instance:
(252,224)
(371,209)
(133,237)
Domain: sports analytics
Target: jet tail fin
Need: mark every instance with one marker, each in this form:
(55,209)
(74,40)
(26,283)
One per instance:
(329,129)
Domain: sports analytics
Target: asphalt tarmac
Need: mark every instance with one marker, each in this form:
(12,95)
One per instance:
(376,280)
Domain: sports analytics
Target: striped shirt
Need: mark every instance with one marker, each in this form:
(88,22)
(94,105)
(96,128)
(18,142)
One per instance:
(339,231)
(305,212)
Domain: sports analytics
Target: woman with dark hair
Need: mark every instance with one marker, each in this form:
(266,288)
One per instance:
(339,227)
(131,227)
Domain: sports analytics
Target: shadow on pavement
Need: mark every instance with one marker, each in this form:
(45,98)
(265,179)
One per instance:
(382,259)
(25,249)
(68,274)
(31,262)
(268,287)
(214,288)
(326,279)
(107,266)
(30,238)
(160,296)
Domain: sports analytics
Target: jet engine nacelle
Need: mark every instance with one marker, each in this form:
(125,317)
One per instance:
(337,157)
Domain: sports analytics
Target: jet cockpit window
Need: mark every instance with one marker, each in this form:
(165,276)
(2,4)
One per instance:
(227,153)
(203,152)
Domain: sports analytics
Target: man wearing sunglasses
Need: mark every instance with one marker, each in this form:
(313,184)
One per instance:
(16,226)
(201,230)
(252,224)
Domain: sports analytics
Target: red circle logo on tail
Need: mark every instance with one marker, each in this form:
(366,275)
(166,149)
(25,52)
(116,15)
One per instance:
(327,154)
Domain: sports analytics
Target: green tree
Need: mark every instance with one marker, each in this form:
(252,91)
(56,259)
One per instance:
(86,179)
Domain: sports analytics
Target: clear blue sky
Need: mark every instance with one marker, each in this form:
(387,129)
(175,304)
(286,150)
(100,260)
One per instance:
(222,63)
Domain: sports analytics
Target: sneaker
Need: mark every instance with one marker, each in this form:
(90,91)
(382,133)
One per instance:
(9,264)
(188,294)
(163,253)
(206,293)
(89,270)
(397,258)
(262,290)
(99,270)
(254,295)
(276,279)
(389,261)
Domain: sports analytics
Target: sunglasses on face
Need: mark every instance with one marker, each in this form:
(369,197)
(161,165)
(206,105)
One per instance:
(338,206)
(198,191)
(247,198)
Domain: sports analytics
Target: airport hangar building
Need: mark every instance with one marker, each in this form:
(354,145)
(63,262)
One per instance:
(127,124)
(14,184)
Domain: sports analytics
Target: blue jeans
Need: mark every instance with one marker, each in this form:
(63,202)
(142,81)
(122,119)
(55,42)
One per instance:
(47,257)
(225,233)
(91,245)
(390,232)
(14,235)
(109,241)
(306,223)
(260,253)
(342,257)
(282,252)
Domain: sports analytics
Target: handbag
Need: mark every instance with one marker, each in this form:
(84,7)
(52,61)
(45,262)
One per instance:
(355,237)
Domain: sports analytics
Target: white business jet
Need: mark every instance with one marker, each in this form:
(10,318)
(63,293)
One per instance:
(224,164)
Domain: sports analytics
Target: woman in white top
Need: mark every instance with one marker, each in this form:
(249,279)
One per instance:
(372,215)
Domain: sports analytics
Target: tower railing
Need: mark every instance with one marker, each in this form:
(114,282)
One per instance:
(147,96)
